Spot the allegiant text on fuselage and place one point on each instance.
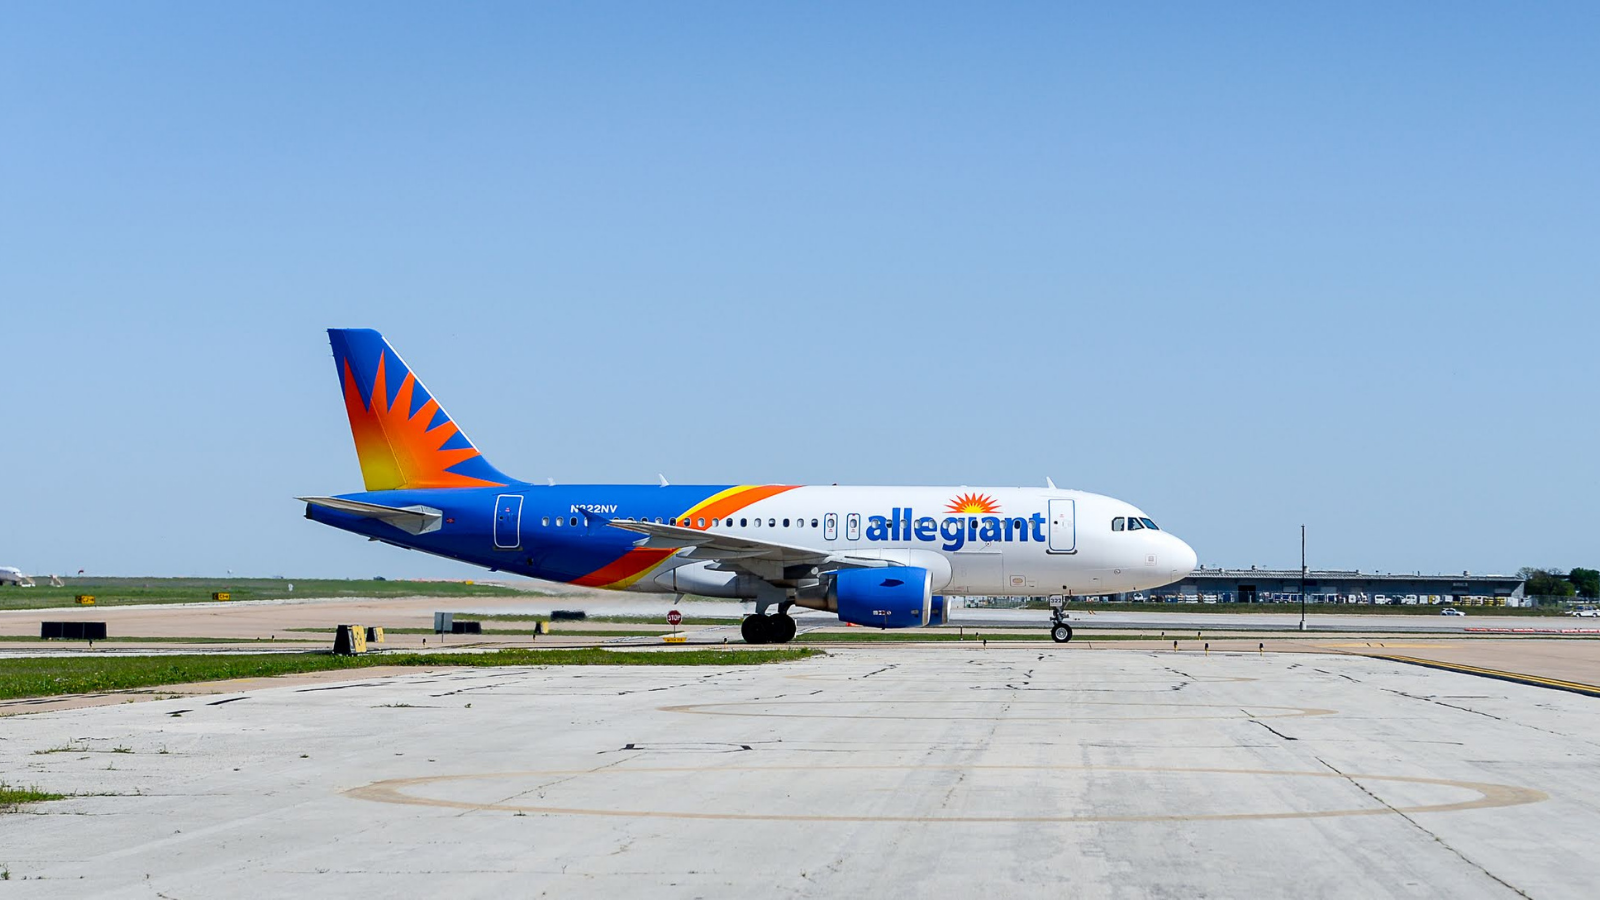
(955, 531)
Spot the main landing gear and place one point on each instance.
(762, 629)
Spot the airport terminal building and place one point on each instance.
(1341, 586)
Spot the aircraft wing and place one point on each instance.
(411, 519)
(710, 544)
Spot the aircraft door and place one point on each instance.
(830, 527)
(852, 527)
(1063, 526)
(508, 521)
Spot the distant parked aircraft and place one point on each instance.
(881, 556)
(13, 575)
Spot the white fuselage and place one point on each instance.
(974, 541)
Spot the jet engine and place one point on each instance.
(888, 597)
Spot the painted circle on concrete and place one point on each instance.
(1426, 795)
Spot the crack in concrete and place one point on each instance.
(1273, 730)
(1439, 702)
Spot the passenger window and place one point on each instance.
(658, 520)
(813, 523)
(1149, 524)
(545, 521)
(744, 523)
(1133, 524)
(758, 523)
(786, 523)
(772, 523)
(558, 523)
(702, 521)
(1116, 524)
(573, 521)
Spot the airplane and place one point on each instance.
(877, 556)
(13, 575)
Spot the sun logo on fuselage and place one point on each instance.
(973, 503)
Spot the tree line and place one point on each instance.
(1554, 583)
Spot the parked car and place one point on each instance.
(1585, 612)
(1451, 611)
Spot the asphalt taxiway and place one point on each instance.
(884, 771)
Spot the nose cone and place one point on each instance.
(1183, 559)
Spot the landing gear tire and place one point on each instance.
(1061, 633)
(760, 629)
(755, 630)
(781, 629)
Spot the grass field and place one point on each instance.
(80, 675)
(135, 639)
(123, 591)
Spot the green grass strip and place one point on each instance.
(51, 676)
(12, 795)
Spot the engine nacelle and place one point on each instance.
(888, 597)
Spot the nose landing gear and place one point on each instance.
(1060, 631)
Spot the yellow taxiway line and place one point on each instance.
(1576, 687)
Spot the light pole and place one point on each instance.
(1302, 578)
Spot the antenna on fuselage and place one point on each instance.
(550, 481)
(663, 479)
(1049, 483)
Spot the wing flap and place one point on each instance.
(694, 543)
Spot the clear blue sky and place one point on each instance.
(1245, 265)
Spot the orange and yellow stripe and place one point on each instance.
(628, 569)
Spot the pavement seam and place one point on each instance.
(1427, 831)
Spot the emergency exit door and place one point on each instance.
(1063, 526)
(508, 521)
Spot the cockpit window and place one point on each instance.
(1134, 524)
(1149, 524)
(1116, 524)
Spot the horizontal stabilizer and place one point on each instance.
(410, 519)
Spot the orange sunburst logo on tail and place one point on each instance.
(397, 448)
(973, 503)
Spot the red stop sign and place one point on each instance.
(674, 617)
